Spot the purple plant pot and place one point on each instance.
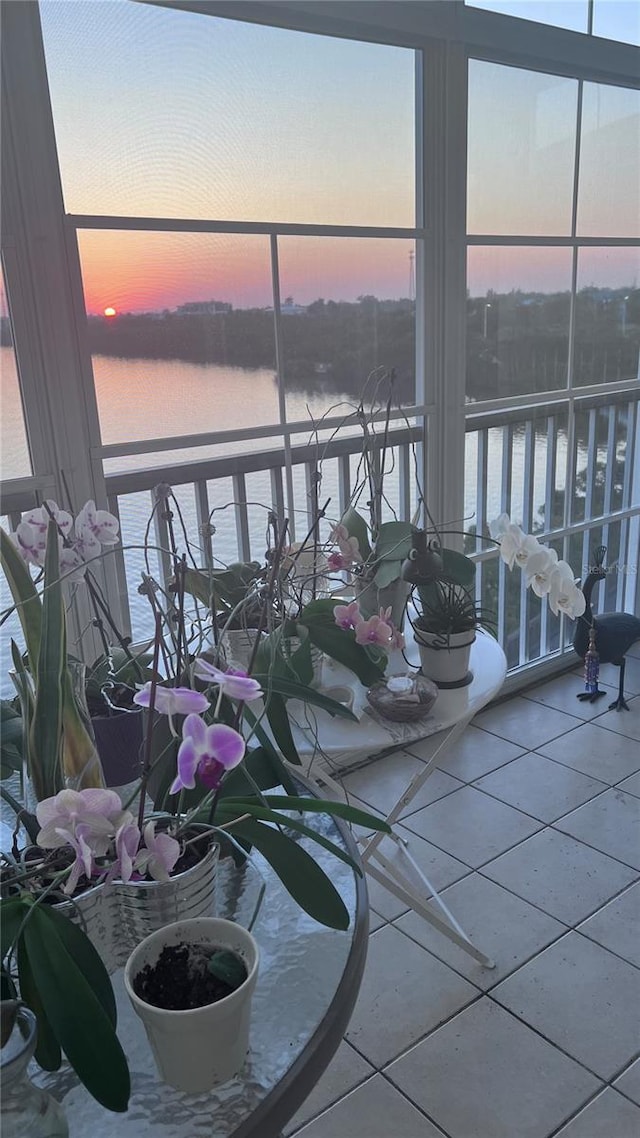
(119, 739)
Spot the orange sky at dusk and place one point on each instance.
(150, 271)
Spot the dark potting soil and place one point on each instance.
(180, 979)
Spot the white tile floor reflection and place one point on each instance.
(536, 830)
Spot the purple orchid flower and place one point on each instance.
(173, 701)
(84, 856)
(207, 752)
(234, 683)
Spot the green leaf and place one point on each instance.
(47, 1052)
(386, 573)
(291, 690)
(307, 883)
(12, 913)
(341, 645)
(280, 771)
(458, 568)
(264, 814)
(276, 710)
(394, 541)
(328, 806)
(76, 1015)
(88, 960)
(46, 725)
(23, 591)
(228, 967)
(356, 526)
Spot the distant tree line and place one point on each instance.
(516, 342)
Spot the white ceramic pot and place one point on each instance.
(445, 659)
(196, 1049)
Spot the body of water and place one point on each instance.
(140, 399)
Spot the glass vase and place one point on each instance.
(27, 1111)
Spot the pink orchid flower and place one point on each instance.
(347, 616)
(172, 701)
(159, 855)
(84, 862)
(207, 752)
(337, 561)
(127, 843)
(234, 683)
(376, 631)
(98, 811)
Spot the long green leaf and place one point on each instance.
(291, 690)
(24, 593)
(47, 1052)
(88, 960)
(76, 1015)
(307, 883)
(264, 814)
(327, 806)
(46, 726)
(280, 771)
(278, 717)
(12, 913)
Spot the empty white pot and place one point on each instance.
(196, 1049)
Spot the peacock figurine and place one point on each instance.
(603, 639)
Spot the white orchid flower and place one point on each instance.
(102, 525)
(516, 546)
(39, 518)
(564, 594)
(539, 568)
(31, 543)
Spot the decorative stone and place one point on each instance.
(403, 698)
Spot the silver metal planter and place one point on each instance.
(96, 912)
(143, 907)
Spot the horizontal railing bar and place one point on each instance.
(134, 481)
(553, 242)
(264, 228)
(481, 420)
(240, 434)
(558, 395)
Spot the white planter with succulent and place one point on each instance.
(191, 984)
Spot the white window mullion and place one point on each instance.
(445, 116)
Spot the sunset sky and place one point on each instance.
(174, 114)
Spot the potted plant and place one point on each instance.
(444, 630)
(191, 985)
(445, 613)
(210, 772)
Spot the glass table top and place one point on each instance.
(301, 965)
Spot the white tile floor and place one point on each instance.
(533, 832)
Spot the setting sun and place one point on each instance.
(110, 312)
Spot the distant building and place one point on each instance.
(204, 308)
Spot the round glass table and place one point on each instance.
(307, 985)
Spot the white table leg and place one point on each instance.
(397, 881)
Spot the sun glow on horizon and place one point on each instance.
(111, 312)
